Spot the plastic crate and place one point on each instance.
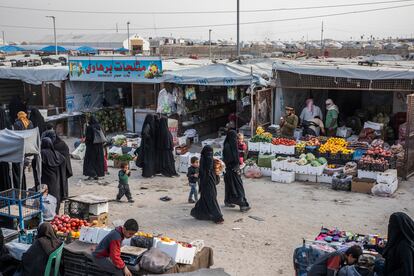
(20, 205)
(76, 209)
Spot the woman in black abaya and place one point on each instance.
(93, 164)
(146, 153)
(207, 207)
(37, 119)
(165, 148)
(5, 180)
(234, 190)
(61, 147)
(399, 250)
(157, 161)
(53, 171)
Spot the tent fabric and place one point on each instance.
(214, 74)
(15, 144)
(86, 49)
(11, 48)
(351, 71)
(122, 49)
(35, 75)
(52, 49)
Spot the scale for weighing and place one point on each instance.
(131, 254)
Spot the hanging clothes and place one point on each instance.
(37, 120)
(53, 171)
(93, 163)
(165, 147)
(5, 180)
(399, 250)
(146, 156)
(234, 190)
(207, 207)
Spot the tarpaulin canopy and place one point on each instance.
(35, 75)
(86, 49)
(214, 74)
(15, 144)
(11, 48)
(351, 71)
(52, 49)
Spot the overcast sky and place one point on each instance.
(385, 23)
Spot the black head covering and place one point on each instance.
(231, 152)
(50, 157)
(206, 160)
(15, 106)
(51, 134)
(4, 122)
(37, 120)
(149, 121)
(47, 238)
(164, 139)
(400, 227)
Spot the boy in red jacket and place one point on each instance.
(107, 255)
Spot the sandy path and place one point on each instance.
(291, 212)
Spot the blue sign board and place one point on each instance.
(116, 69)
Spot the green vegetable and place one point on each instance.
(302, 162)
(310, 157)
(322, 160)
(315, 163)
(302, 156)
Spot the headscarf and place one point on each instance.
(4, 122)
(149, 121)
(400, 227)
(231, 152)
(164, 139)
(47, 238)
(50, 157)
(331, 106)
(206, 161)
(51, 134)
(15, 106)
(22, 116)
(37, 119)
(309, 105)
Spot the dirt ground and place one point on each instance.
(244, 246)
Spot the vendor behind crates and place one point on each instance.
(289, 122)
(330, 264)
(49, 203)
(107, 255)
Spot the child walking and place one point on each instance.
(193, 179)
(123, 186)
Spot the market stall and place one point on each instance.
(372, 102)
(347, 165)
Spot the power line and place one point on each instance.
(214, 25)
(203, 12)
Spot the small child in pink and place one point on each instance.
(242, 147)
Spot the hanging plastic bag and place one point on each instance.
(163, 105)
(79, 152)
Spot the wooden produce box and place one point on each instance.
(102, 219)
(362, 185)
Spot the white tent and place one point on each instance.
(15, 145)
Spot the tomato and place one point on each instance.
(73, 224)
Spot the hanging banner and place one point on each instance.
(116, 69)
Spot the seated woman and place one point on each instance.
(34, 261)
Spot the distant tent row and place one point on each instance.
(51, 49)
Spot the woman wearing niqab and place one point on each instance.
(35, 259)
(5, 180)
(146, 152)
(207, 207)
(53, 171)
(37, 120)
(93, 163)
(234, 190)
(399, 250)
(165, 147)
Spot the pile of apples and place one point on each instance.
(379, 151)
(66, 224)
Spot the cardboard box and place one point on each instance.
(102, 219)
(362, 185)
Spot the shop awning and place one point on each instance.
(214, 74)
(11, 49)
(52, 49)
(35, 75)
(351, 71)
(86, 49)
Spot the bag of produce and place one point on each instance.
(341, 182)
(252, 171)
(79, 152)
(385, 189)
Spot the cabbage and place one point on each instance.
(310, 157)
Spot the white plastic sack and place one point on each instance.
(252, 172)
(79, 152)
(115, 150)
(385, 189)
(163, 105)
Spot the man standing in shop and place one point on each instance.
(289, 123)
(310, 111)
(332, 115)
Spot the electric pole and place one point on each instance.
(129, 50)
(4, 41)
(209, 41)
(322, 42)
(54, 31)
(117, 27)
(238, 28)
